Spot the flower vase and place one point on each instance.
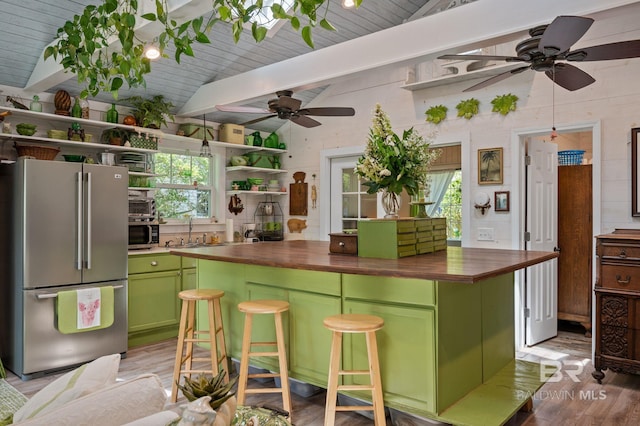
(390, 204)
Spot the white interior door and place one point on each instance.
(542, 211)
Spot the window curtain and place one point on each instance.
(440, 182)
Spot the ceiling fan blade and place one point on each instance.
(241, 109)
(496, 78)
(257, 120)
(619, 50)
(328, 111)
(570, 77)
(562, 33)
(288, 103)
(482, 58)
(304, 121)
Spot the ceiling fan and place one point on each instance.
(551, 43)
(288, 108)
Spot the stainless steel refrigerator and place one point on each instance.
(63, 227)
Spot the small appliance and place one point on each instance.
(249, 230)
(143, 235)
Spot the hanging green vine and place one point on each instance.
(504, 104)
(436, 114)
(82, 44)
(468, 108)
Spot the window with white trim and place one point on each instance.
(185, 185)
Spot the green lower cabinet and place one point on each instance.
(189, 279)
(407, 352)
(309, 339)
(154, 307)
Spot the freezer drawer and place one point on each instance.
(39, 346)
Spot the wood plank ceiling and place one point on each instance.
(29, 25)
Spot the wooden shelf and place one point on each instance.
(75, 144)
(486, 72)
(222, 144)
(255, 169)
(238, 192)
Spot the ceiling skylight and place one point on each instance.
(264, 17)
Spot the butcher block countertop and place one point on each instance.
(467, 265)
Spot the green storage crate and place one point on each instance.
(194, 130)
(387, 239)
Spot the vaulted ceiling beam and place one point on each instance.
(477, 24)
(49, 73)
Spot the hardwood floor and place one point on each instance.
(576, 399)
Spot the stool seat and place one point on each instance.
(263, 306)
(201, 294)
(188, 334)
(353, 323)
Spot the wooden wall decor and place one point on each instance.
(298, 195)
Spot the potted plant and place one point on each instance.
(222, 400)
(151, 112)
(115, 136)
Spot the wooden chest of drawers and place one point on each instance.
(617, 292)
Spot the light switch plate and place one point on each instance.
(485, 234)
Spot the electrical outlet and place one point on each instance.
(485, 234)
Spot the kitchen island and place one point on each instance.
(447, 348)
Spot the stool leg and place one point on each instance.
(213, 347)
(219, 333)
(191, 325)
(376, 381)
(284, 370)
(332, 385)
(244, 359)
(179, 349)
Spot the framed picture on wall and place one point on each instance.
(490, 166)
(501, 201)
(635, 163)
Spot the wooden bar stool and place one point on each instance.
(275, 307)
(188, 335)
(354, 323)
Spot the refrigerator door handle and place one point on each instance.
(79, 213)
(89, 189)
(54, 295)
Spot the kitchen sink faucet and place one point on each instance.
(190, 228)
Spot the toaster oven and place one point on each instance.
(142, 209)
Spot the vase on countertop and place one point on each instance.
(391, 204)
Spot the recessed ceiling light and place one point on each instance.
(348, 4)
(151, 51)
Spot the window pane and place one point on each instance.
(350, 205)
(182, 170)
(368, 205)
(163, 168)
(178, 203)
(349, 180)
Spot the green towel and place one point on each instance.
(67, 311)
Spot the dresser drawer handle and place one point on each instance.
(621, 281)
(154, 263)
(623, 254)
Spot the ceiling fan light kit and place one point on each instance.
(548, 50)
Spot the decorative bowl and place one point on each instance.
(255, 181)
(74, 158)
(25, 129)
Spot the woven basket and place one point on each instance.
(38, 152)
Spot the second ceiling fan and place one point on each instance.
(288, 108)
(551, 43)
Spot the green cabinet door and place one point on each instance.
(154, 306)
(189, 279)
(309, 340)
(407, 352)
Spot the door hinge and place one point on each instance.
(527, 160)
(527, 236)
(527, 312)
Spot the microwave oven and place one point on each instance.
(143, 235)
